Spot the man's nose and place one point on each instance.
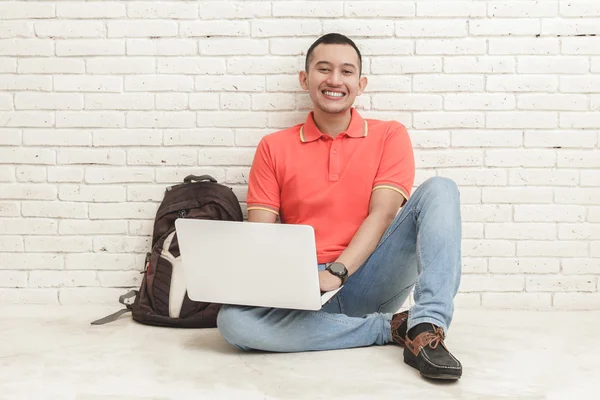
(335, 79)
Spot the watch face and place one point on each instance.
(337, 268)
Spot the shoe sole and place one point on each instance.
(412, 361)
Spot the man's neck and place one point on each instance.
(332, 124)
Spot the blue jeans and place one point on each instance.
(420, 248)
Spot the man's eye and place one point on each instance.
(323, 69)
(347, 72)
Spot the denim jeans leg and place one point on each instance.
(439, 233)
(283, 330)
(420, 248)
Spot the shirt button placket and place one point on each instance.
(334, 161)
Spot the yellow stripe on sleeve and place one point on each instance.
(395, 188)
(264, 209)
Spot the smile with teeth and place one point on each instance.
(333, 94)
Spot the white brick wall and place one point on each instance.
(104, 103)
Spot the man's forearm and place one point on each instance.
(365, 240)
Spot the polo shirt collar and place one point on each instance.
(358, 127)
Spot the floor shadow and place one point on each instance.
(210, 340)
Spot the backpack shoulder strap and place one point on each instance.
(115, 316)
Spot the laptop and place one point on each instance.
(250, 263)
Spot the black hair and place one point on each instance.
(333, 38)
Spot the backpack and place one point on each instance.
(162, 299)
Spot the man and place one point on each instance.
(347, 177)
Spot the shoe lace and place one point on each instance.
(434, 338)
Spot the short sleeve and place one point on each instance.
(397, 165)
(263, 188)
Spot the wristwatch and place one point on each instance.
(338, 269)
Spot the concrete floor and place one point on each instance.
(49, 352)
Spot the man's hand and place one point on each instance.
(328, 281)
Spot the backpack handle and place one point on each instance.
(200, 178)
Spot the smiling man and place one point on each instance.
(347, 177)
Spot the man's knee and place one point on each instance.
(445, 189)
(232, 322)
(443, 185)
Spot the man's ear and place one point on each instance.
(362, 85)
(303, 78)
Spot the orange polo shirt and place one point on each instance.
(306, 177)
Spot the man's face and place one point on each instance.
(332, 79)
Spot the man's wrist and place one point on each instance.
(339, 270)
